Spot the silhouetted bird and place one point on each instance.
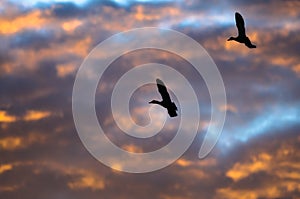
(242, 38)
(166, 100)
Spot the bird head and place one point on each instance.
(230, 38)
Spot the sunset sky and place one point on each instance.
(44, 42)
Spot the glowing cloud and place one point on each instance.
(36, 115)
(4, 117)
(34, 20)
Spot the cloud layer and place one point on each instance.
(44, 43)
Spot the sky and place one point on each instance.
(43, 44)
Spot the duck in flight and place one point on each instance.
(166, 100)
(241, 38)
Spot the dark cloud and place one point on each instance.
(43, 157)
(67, 10)
(32, 39)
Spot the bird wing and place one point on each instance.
(240, 24)
(163, 90)
(172, 110)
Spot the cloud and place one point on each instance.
(30, 115)
(240, 171)
(34, 20)
(4, 117)
(270, 172)
(5, 167)
(42, 47)
(64, 70)
(12, 143)
(229, 107)
(36, 115)
(183, 162)
(132, 148)
(70, 26)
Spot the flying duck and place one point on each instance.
(241, 38)
(166, 100)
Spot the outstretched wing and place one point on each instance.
(172, 110)
(240, 24)
(163, 90)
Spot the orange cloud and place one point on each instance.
(240, 171)
(140, 16)
(208, 162)
(132, 148)
(30, 59)
(183, 162)
(33, 20)
(296, 68)
(229, 107)
(270, 190)
(5, 167)
(18, 142)
(80, 48)
(81, 178)
(87, 181)
(71, 25)
(31, 115)
(65, 69)
(282, 165)
(4, 117)
(117, 168)
(36, 115)
(10, 143)
(233, 194)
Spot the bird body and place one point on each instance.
(241, 38)
(166, 100)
